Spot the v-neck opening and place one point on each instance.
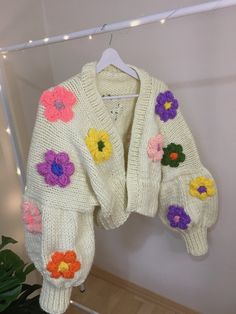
(99, 108)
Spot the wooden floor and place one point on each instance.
(108, 294)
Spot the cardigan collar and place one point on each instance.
(133, 173)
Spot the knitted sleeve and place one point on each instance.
(58, 202)
(188, 195)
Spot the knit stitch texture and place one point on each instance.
(94, 160)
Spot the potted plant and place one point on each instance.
(14, 292)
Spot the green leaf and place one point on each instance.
(25, 286)
(10, 293)
(8, 297)
(8, 284)
(7, 240)
(29, 268)
(13, 292)
(4, 305)
(27, 292)
(23, 271)
(30, 306)
(19, 273)
(10, 260)
(4, 274)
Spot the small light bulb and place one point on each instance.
(4, 56)
(134, 23)
(18, 171)
(66, 37)
(8, 130)
(162, 21)
(46, 40)
(30, 41)
(90, 37)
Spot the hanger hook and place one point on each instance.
(110, 41)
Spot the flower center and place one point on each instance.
(176, 219)
(59, 104)
(158, 147)
(101, 145)
(63, 267)
(174, 156)
(167, 105)
(56, 169)
(202, 189)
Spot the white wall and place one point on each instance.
(196, 56)
(26, 76)
(28, 72)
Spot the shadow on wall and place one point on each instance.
(145, 252)
(138, 234)
(23, 93)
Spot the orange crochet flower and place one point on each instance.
(63, 265)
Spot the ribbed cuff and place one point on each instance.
(196, 241)
(54, 300)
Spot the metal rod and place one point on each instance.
(82, 307)
(82, 288)
(106, 28)
(11, 129)
(121, 96)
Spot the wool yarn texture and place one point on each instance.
(96, 161)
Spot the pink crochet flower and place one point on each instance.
(31, 217)
(58, 104)
(154, 150)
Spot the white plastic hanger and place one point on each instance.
(111, 57)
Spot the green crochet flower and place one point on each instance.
(173, 155)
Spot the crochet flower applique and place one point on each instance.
(166, 106)
(99, 145)
(173, 155)
(31, 217)
(56, 169)
(154, 150)
(63, 265)
(202, 188)
(58, 104)
(177, 217)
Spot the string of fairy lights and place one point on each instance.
(67, 37)
(46, 40)
(109, 28)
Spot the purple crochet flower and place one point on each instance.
(56, 169)
(177, 217)
(166, 106)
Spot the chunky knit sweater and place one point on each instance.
(94, 159)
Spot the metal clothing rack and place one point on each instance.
(80, 306)
(108, 28)
(105, 28)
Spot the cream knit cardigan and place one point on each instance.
(128, 180)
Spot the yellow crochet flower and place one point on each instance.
(202, 188)
(99, 145)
